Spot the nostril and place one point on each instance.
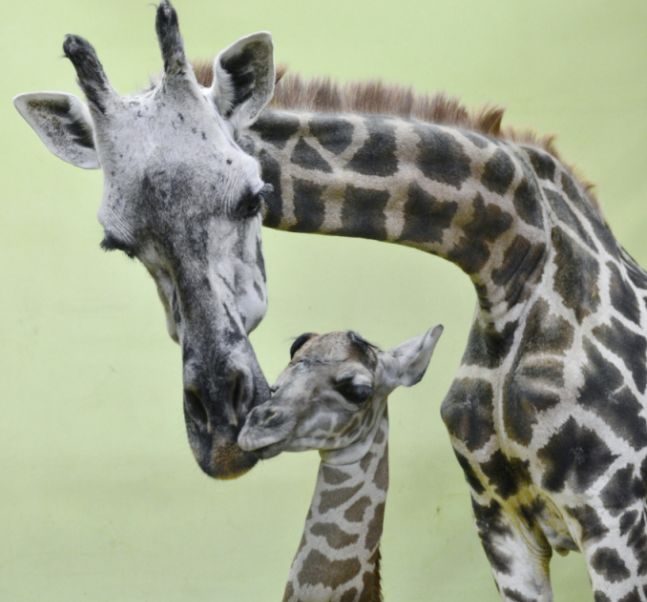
(271, 418)
(237, 390)
(195, 408)
(240, 392)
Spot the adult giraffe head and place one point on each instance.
(182, 197)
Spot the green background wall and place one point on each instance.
(100, 497)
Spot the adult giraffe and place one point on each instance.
(548, 412)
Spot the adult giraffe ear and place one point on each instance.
(407, 363)
(63, 123)
(244, 79)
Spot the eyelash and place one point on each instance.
(356, 394)
(109, 243)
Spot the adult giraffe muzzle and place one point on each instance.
(182, 197)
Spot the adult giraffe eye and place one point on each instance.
(250, 205)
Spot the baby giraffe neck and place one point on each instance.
(338, 559)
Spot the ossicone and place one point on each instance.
(89, 70)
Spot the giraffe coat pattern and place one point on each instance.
(547, 414)
(548, 411)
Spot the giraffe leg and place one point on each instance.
(616, 557)
(518, 559)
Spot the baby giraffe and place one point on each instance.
(332, 397)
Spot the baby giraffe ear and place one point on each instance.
(244, 79)
(300, 341)
(63, 123)
(407, 363)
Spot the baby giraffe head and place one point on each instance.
(332, 395)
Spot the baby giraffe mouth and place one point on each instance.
(265, 444)
(262, 450)
(269, 451)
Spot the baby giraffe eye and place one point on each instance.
(354, 392)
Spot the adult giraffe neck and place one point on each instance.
(462, 196)
(339, 554)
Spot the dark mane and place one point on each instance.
(323, 94)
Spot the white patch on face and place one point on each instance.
(166, 287)
(251, 307)
(236, 276)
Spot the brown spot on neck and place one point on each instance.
(334, 476)
(337, 497)
(335, 536)
(355, 513)
(381, 478)
(349, 596)
(375, 526)
(372, 591)
(318, 569)
(365, 462)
